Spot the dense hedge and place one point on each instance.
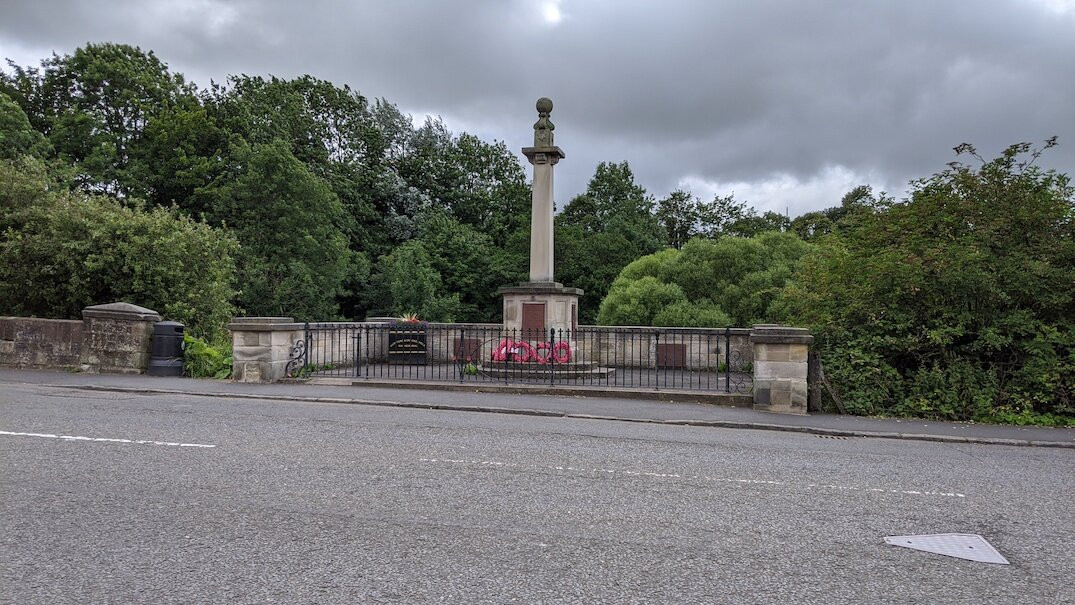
(62, 251)
(958, 303)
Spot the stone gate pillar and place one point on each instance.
(116, 338)
(780, 368)
(262, 347)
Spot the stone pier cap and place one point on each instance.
(263, 324)
(120, 310)
(777, 334)
(539, 287)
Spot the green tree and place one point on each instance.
(17, 136)
(62, 251)
(680, 214)
(94, 104)
(857, 203)
(955, 303)
(470, 264)
(601, 231)
(182, 150)
(295, 259)
(718, 216)
(752, 224)
(407, 282)
(729, 281)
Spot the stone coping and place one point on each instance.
(553, 150)
(120, 310)
(286, 323)
(5, 318)
(775, 334)
(263, 324)
(550, 287)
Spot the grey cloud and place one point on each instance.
(726, 91)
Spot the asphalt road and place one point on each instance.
(322, 503)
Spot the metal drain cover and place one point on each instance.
(964, 546)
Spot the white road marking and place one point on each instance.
(106, 439)
(850, 488)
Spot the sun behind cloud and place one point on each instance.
(550, 11)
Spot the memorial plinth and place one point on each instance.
(532, 309)
(541, 314)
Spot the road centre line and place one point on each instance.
(105, 439)
(737, 480)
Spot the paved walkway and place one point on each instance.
(575, 406)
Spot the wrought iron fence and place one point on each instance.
(642, 358)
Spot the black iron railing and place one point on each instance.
(640, 358)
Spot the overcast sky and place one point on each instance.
(786, 104)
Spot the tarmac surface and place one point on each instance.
(112, 490)
(523, 400)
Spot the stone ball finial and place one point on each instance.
(544, 105)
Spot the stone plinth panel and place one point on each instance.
(780, 368)
(262, 347)
(116, 338)
(30, 342)
(561, 307)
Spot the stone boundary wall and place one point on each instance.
(334, 344)
(776, 355)
(113, 337)
(636, 346)
(31, 342)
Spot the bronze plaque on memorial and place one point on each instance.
(407, 344)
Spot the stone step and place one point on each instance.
(518, 371)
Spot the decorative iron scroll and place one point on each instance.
(740, 374)
(297, 361)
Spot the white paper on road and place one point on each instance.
(963, 546)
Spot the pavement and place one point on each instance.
(519, 401)
(127, 495)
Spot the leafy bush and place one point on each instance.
(203, 360)
(636, 303)
(407, 282)
(61, 252)
(295, 258)
(708, 283)
(956, 303)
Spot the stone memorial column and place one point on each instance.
(537, 308)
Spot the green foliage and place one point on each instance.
(469, 264)
(859, 203)
(203, 360)
(17, 137)
(956, 303)
(680, 215)
(407, 283)
(603, 230)
(181, 151)
(295, 259)
(94, 104)
(637, 302)
(60, 252)
(732, 280)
